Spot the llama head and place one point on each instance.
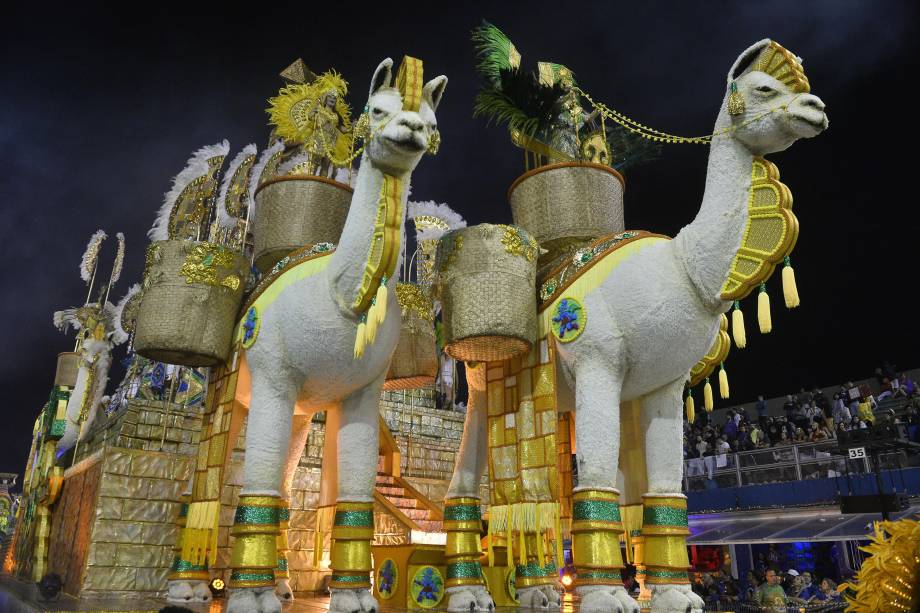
(777, 108)
(401, 116)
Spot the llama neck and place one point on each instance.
(709, 243)
(347, 266)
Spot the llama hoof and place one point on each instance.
(553, 595)
(470, 598)
(352, 601)
(284, 592)
(601, 600)
(202, 592)
(676, 599)
(253, 600)
(629, 603)
(534, 597)
(180, 591)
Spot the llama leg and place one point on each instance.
(353, 526)
(184, 577)
(596, 523)
(462, 519)
(664, 527)
(301, 431)
(258, 513)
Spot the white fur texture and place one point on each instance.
(224, 219)
(650, 321)
(196, 166)
(303, 354)
(91, 255)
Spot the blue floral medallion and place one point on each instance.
(569, 320)
(387, 579)
(250, 327)
(427, 587)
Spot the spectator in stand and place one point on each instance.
(828, 591)
(808, 589)
(722, 446)
(798, 416)
(820, 432)
(822, 401)
(907, 384)
(857, 424)
(753, 584)
(770, 595)
(730, 429)
(799, 436)
(702, 447)
(885, 390)
(789, 406)
(813, 413)
(774, 430)
(762, 412)
(841, 412)
(864, 410)
(783, 439)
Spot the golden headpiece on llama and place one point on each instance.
(782, 65)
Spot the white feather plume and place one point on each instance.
(66, 318)
(223, 217)
(289, 165)
(91, 255)
(256, 175)
(119, 260)
(119, 334)
(196, 166)
(442, 211)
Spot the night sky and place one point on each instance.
(98, 111)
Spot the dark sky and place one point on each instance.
(98, 110)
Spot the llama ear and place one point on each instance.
(433, 91)
(382, 76)
(746, 58)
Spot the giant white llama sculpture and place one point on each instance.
(649, 322)
(303, 358)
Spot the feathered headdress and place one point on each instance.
(259, 169)
(235, 187)
(432, 219)
(289, 111)
(91, 255)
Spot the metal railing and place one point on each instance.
(771, 465)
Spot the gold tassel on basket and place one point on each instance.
(790, 290)
(764, 320)
(707, 396)
(723, 382)
(691, 410)
(738, 327)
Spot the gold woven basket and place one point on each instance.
(295, 211)
(68, 363)
(415, 360)
(486, 278)
(192, 295)
(569, 202)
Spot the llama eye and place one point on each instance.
(377, 111)
(765, 89)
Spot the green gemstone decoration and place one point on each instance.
(350, 578)
(667, 574)
(282, 564)
(533, 569)
(596, 510)
(462, 512)
(181, 566)
(464, 570)
(354, 519)
(267, 577)
(664, 516)
(284, 514)
(584, 575)
(256, 516)
(57, 427)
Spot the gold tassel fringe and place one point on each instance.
(707, 396)
(381, 301)
(790, 290)
(691, 410)
(359, 339)
(764, 320)
(372, 322)
(738, 327)
(723, 383)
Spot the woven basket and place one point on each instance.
(189, 319)
(487, 293)
(564, 203)
(295, 211)
(68, 363)
(415, 361)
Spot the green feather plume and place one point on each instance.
(496, 52)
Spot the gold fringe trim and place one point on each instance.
(200, 539)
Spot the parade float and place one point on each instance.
(277, 293)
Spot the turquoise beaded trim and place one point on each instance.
(284, 514)
(462, 512)
(181, 566)
(350, 578)
(666, 574)
(664, 516)
(596, 510)
(259, 516)
(267, 577)
(282, 564)
(533, 569)
(183, 510)
(354, 519)
(464, 570)
(608, 575)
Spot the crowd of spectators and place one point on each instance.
(766, 589)
(807, 417)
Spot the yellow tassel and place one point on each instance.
(360, 339)
(382, 301)
(738, 327)
(557, 533)
(723, 383)
(763, 310)
(790, 291)
(372, 324)
(707, 396)
(691, 411)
